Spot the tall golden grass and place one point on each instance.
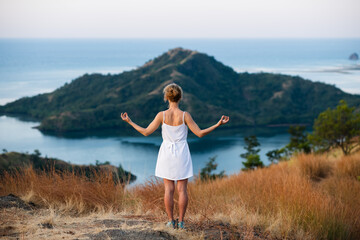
(308, 197)
(67, 191)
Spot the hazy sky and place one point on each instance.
(179, 19)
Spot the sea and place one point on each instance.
(32, 66)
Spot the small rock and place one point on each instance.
(354, 57)
(70, 232)
(11, 200)
(7, 231)
(47, 225)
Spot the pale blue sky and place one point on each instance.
(179, 19)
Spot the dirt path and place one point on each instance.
(20, 220)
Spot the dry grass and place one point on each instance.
(348, 166)
(308, 197)
(315, 167)
(66, 192)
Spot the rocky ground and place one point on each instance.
(21, 220)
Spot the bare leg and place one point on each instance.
(183, 197)
(169, 198)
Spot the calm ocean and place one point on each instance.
(29, 67)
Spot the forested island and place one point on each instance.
(95, 101)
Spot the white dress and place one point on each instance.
(174, 159)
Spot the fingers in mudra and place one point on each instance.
(224, 119)
(124, 116)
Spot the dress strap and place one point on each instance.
(184, 117)
(163, 116)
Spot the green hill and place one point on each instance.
(15, 161)
(95, 101)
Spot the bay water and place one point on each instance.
(134, 152)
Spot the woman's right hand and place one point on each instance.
(224, 119)
(125, 117)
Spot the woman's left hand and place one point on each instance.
(224, 119)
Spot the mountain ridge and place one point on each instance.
(95, 101)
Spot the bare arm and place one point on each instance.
(197, 131)
(144, 131)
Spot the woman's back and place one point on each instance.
(177, 130)
(173, 117)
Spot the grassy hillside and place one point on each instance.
(211, 88)
(308, 197)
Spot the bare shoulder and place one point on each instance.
(159, 115)
(187, 116)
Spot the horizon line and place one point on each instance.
(173, 38)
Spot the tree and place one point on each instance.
(298, 143)
(339, 127)
(277, 154)
(252, 157)
(298, 140)
(36, 160)
(206, 172)
(98, 163)
(37, 153)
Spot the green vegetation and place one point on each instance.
(14, 161)
(206, 172)
(339, 127)
(334, 128)
(95, 101)
(298, 144)
(98, 163)
(277, 155)
(252, 157)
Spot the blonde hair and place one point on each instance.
(173, 92)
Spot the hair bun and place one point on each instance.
(172, 92)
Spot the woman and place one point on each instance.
(174, 160)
